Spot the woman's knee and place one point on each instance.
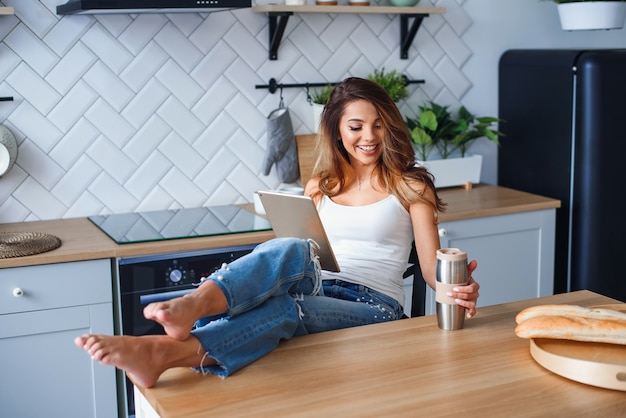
(284, 245)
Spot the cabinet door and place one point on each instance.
(44, 374)
(515, 254)
(42, 309)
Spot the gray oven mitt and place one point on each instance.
(281, 146)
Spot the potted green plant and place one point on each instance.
(322, 95)
(393, 82)
(433, 128)
(437, 129)
(591, 14)
(319, 98)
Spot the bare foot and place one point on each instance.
(177, 316)
(144, 358)
(176, 319)
(131, 354)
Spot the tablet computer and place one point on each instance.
(296, 216)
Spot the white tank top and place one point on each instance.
(371, 243)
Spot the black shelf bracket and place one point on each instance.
(407, 34)
(277, 24)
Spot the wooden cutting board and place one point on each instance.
(306, 156)
(596, 364)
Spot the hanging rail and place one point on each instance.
(273, 85)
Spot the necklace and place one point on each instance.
(362, 181)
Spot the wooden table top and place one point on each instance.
(405, 368)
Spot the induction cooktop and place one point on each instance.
(127, 228)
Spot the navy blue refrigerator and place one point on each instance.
(564, 116)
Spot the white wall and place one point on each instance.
(125, 113)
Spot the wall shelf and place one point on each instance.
(278, 15)
(6, 10)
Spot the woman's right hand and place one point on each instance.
(467, 296)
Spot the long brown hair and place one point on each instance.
(396, 169)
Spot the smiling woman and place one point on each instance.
(366, 171)
(363, 137)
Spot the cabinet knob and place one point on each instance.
(443, 232)
(17, 292)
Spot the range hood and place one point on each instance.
(148, 6)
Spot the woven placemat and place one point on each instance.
(19, 244)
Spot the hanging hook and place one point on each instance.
(309, 99)
(272, 85)
(281, 104)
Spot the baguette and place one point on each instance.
(570, 311)
(573, 328)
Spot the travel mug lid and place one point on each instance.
(451, 254)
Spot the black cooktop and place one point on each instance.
(161, 225)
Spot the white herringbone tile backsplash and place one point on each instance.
(124, 113)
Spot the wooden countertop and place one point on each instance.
(395, 369)
(486, 200)
(81, 240)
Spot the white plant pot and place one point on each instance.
(317, 115)
(455, 171)
(592, 15)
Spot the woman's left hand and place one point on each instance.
(467, 295)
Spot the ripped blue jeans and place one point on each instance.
(274, 293)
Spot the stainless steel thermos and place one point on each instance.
(451, 272)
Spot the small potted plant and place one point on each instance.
(591, 14)
(393, 82)
(436, 129)
(319, 98)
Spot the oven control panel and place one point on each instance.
(178, 274)
(167, 272)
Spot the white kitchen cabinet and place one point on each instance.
(42, 309)
(515, 254)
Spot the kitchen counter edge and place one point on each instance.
(82, 240)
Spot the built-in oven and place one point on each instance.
(147, 279)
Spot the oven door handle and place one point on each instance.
(160, 297)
